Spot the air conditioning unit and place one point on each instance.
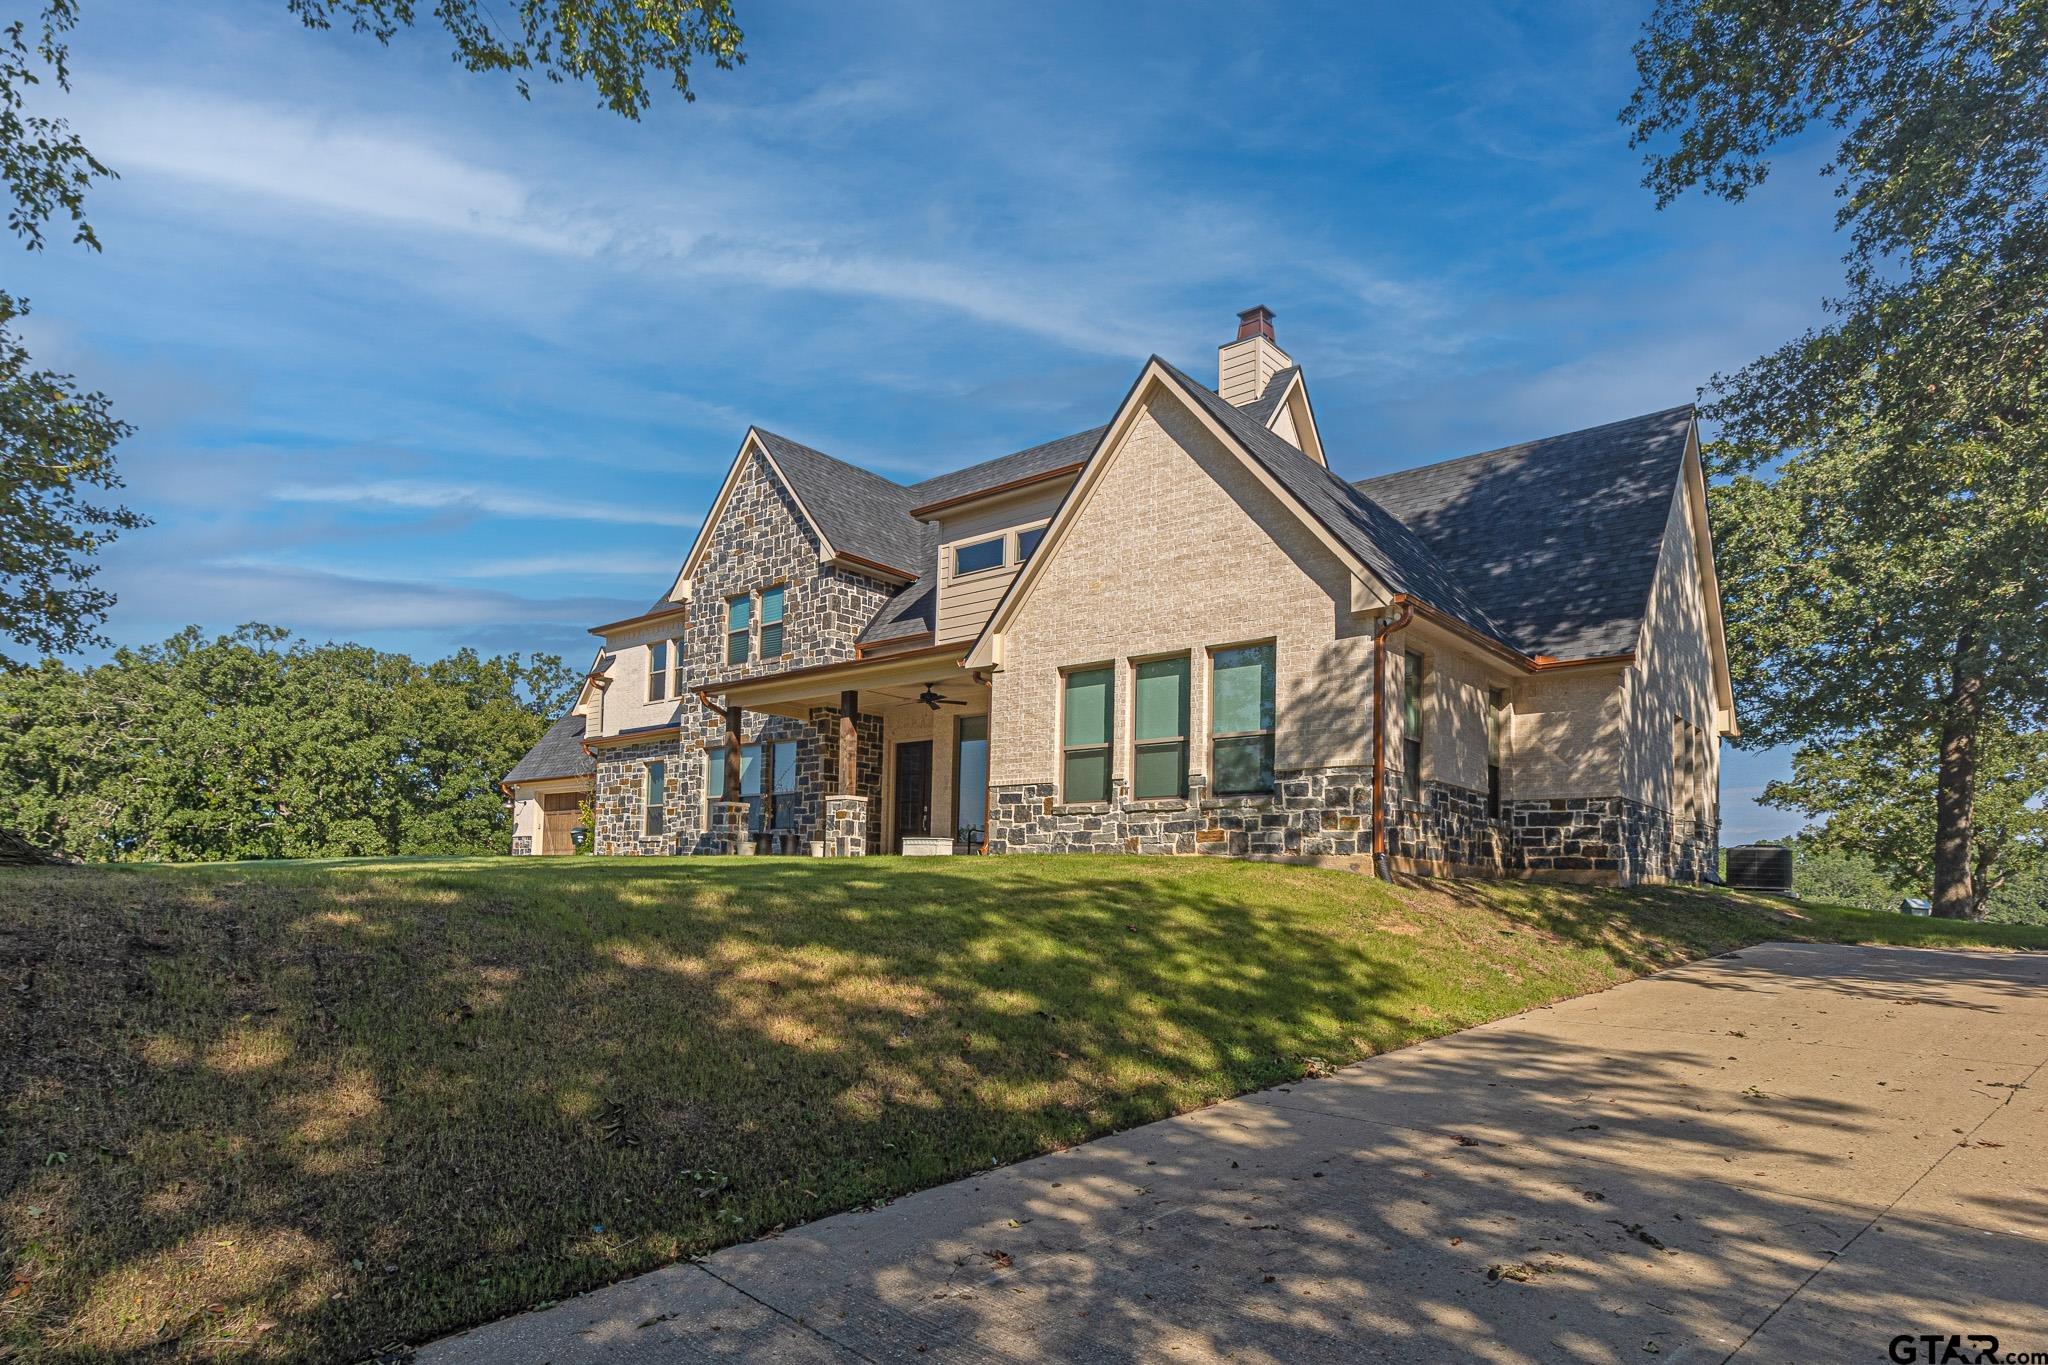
(1761, 867)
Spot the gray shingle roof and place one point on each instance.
(558, 753)
(1261, 409)
(1009, 468)
(1557, 539)
(1548, 546)
(861, 513)
(914, 610)
(1379, 540)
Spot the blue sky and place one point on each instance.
(418, 363)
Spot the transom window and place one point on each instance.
(657, 670)
(739, 628)
(771, 623)
(1241, 719)
(1085, 741)
(1027, 541)
(654, 798)
(1159, 729)
(980, 555)
(1411, 721)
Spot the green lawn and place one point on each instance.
(308, 1110)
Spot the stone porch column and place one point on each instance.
(729, 832)
(846, 826)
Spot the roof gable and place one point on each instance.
(1393, 553)
(1557, 539)
(558, 753)
(859, 513)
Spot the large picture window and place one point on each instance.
(654, 799)
(1084, 767)
(771, 623)
(1241, 720)
(970, 779)
(1411, 723)
(739, 628)
(1159, 729)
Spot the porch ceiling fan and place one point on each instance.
(930, 697)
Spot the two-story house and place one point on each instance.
(1179, 632)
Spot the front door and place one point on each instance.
(913, 790)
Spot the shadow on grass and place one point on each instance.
(287, 1112)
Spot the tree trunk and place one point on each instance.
(1955, 793)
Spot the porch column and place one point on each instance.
(849, 743)
(846, 814)
(732, 811)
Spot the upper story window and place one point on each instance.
(657, 670)
(1411, 722)
(771, 623)
(1241, 720)
(1089, 694)
(980, 555)
(739, 628)
(1027, 541)
(1159, 729)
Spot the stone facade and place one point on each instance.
(847, 821)
(1609, 838)
(761, 540)
(817, 773)
(619, 801)
(1311, 813)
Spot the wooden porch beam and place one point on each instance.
(849, 742)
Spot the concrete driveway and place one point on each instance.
(1789, 1153)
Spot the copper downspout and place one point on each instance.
(988, 794)
(1379, 739)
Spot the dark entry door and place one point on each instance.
(913, 790)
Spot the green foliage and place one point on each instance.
(56, 442)
(614, 44)
(252, 745)
(1884, 534)
(1876, 794)
(45, 167)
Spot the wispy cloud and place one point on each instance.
(426, 495)
(274, 152)
(315, 603)
(602, 564)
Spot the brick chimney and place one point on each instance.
(1244, 366)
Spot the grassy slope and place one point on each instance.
(305, 1110)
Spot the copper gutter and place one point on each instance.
(1379, 737)
(631, 736)
(678, 609)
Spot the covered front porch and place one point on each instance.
(901, 765)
